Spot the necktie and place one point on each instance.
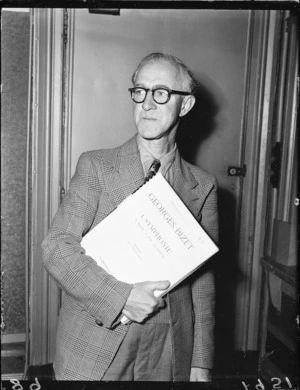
(152, 170)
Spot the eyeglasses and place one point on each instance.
(160, 95)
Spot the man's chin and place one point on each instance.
(149, 134)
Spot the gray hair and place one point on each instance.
(187, 76)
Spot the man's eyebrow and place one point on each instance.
(140, 85)
(154, 87)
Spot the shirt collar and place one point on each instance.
(147, 157)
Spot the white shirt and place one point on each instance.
(147, 158)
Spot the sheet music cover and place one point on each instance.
(150, 236)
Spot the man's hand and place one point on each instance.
(142, 302)
(200, 374)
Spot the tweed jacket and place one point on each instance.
(89, 331)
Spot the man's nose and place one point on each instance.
(149, 103)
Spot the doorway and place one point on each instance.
(81, 101)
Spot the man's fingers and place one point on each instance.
(160, 285)
(142, 302)
(161, 303)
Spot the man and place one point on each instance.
(167, 339)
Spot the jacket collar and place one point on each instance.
(186, 186)
(127, 175)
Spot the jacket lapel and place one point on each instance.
(187, 187)
(126, 172)
(125, 175)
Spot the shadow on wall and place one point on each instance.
(227, 279)
(198, 125)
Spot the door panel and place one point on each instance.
(85, 105)
(214, 45)
(223, 50)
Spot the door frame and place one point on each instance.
(255, 184)
(48, 133)
(49, 169)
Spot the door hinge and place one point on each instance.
(290, 21)
(275, 164)
(65, 27)
(237, 171)
(62, 193)
(105, 11)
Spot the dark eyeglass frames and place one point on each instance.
(160, 95)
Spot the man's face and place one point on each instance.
(153, 120)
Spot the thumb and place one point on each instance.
(160, 285)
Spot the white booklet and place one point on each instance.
(150, 236)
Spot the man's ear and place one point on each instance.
(187, 104)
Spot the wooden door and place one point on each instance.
(88, 60)
(222, 49)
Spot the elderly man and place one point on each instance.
(167, 339)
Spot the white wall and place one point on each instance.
(108, 49)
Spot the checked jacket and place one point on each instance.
(89, 331)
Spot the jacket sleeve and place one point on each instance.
(203, 291)
(96, 291)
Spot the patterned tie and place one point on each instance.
(152, 170)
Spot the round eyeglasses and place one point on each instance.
(160, 95)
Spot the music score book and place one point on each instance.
(150, 236)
